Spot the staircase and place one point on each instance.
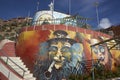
(18, 66)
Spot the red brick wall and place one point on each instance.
(63, 27)
(2, 77)
(9, 49)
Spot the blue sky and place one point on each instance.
(108, 10)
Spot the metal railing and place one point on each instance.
(69, 21)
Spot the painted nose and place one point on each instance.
(58, 56)
(101, 56)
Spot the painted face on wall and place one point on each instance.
(101, 52)
(60, 52)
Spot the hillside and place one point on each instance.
(10, 28)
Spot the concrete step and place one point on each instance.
(13, 63)
(16, 67)
(21, 65)
(18, 70)
(26, 76)
(31, 78)
(21, 72)
(17, 59)
(12, 58)
(21, 69)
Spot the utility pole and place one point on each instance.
(93, 74)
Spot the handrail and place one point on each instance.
(12, 62)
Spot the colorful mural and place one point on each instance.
(58, 54)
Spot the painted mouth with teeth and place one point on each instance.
(58, 63)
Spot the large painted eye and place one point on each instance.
(65, 49)
(53, 49)
(95, 50)
(66, 53)
(101, 49)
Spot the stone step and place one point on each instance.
(26, 76)
(32, 78)
(21, 72)
(12, 58)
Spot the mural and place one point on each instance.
(101, 52)
(58, 54)
(63, 57)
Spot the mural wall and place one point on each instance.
(55, 55)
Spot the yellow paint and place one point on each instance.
(51, 34)
(71, 34)
(29, 34)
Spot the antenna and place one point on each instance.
(69, 4)
(97, 15)
(28, 18)
(53, 4)
(37, 6)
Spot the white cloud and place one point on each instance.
(105, 23)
